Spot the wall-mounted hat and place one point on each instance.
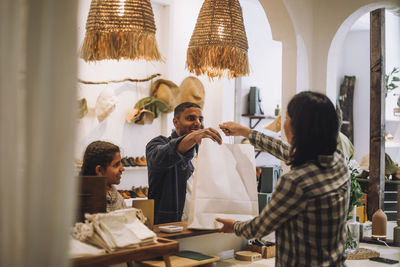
(167, 91)
(82, 108)
(192, 90)
(139, 116)
(105, 103)
(154, 104)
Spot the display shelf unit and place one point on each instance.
(391, 200)
(164, 247)
(136, 168)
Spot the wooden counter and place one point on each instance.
(185, 233)
(164, 247)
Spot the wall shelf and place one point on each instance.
(251, 117)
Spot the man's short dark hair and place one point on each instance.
(181, 107)
(314, 124)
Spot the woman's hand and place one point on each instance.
(231, 128)
(228, 225)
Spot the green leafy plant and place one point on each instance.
(355, 188)
(350, 243)
(391, 80)
(355, 193)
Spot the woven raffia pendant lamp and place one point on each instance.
(117, 29)
(218, 45)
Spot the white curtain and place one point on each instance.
(38, 59)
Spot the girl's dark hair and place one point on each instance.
(314, 124)
(98, 153)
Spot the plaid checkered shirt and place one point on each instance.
(307, 209)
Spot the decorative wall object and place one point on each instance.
(118, 29)
(192, 90)
(218, 45)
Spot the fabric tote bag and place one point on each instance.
(224, 185)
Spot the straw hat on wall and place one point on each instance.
(192, 90)
(167, 91)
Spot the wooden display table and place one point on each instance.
(164, 247)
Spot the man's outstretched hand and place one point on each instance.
(195, 137)
(210, 133)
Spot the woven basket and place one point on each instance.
(218, 45)
(116, 29)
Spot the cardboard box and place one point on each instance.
(147, 207)
(265, 251)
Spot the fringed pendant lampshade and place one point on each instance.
(218, 45)
(118, 29)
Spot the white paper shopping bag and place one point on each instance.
(224, 185)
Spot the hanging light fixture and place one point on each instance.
(118, 29)
(218, 45)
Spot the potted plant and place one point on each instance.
(391, 81)
(352, 232)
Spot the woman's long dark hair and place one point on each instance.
(314, 124)
(98, 153)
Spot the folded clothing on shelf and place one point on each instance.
(115, 230)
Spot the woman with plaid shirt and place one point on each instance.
(309, 204)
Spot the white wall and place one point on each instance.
(175, 21)
(265, 57)
(393, 60)
(354, 61)
(114, 129)
(392, 57)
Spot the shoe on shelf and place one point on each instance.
(125, 162)
(145, 191)
(124, 194)
(139, 192)
(144, 161)
(132, 193)
(141, 161)
(132, 162)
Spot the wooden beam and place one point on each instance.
(377, 112)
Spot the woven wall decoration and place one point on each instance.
(218, 45)
(118, 29)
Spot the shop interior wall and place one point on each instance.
(354, 61)
(175, 21)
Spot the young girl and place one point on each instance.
(104, 159)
